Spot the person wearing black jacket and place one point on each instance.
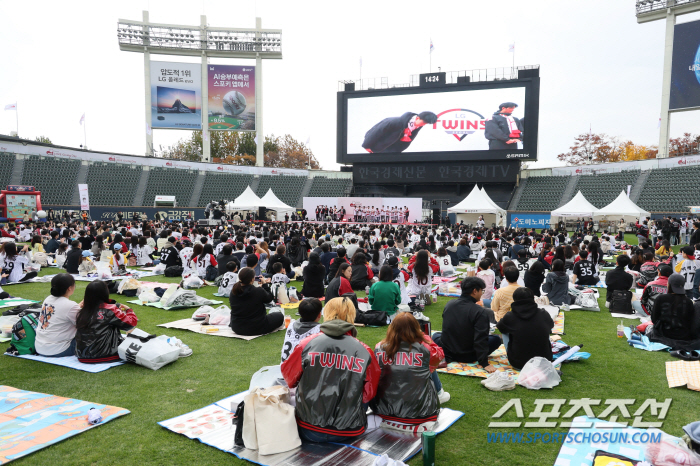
(503, 130)
(618, 279)
(53, 244)
(248, 313)
(225, 257)
(336, 262)
(296, 252)
(676, 319)
(695, 236)
(396, 134)
(314, 273)
(73, 258)
(465, 327)
(169, 255)
(528, 328)
(280, 256)
(534, 276)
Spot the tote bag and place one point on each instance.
(269, 425)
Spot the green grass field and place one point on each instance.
(221, 367)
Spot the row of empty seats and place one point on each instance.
(329, 187)
(542, 193)
(170, 182)
(286, 188)
(7, 163)
(602, 189)
(671, 189)
(113, 184)
(219, 186)
(55, 178)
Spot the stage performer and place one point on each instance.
(395, 134)
(503, 130)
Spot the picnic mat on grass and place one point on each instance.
(12, 302)
(4, 339)
(439, 280)
(679, 373)
(212, 425)
(582, 453)
(158, 305)
(30, 421)
(71, 362)
(498, 359)
(644, 343)
(558, 328)
(197, 327)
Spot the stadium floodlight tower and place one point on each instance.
(655, 10)
(202, 41)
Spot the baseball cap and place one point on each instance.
(117, 246)
(393, 261)
(676, 283)
(88, 253)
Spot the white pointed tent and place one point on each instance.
(248, 200)
(622, 207)
(272, 202)
(576, 207)
(475, 204)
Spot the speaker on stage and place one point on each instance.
(262, 211)
(436, 216)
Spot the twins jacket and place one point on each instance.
(99, 341)
(334, 373)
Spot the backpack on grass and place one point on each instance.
(24, 334)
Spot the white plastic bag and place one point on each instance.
(147, 295)
(192, 282)
(293, 298)
(538, 373)
(103, 270)
(220, 316)
(279, 291)
(160, 268)
(202, 312)
(149, 351)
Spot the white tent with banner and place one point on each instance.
(248, 200)
(576, 207)
(272, 202)
(475, 204)
(621, 207)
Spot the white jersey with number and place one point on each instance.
(445, 263)
(292, 339)
(202, 264)
(688, 269)
(142, 255)
(226, 284)
(15, 267)
(522, 268)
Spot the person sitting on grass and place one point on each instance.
(652, 290)
(556, 284)
(465, 328)
(248, 312)
(528, 329)
(310, 310)
(86, 265)
(676, 320)
(314, 274)
(331, 398)
(55, 334)
(504, 295)
(585, 272)
(99, 324)
(408, 392)
(228, 279)
(73, 258)
(618, 278)
(485, 272)
(534, 276)
(421, 281)
(340, 285)
(362, 274)
(280, 275)
(385, 295)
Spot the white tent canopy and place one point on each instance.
(248, 200)
(622, 207)
(475, 204)
(272, 202)
(576, 207)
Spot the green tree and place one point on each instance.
(43, 139)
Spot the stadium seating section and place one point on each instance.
(7, 162)
(113, 184)
(286, 188)
(542, 193)
(55, 178)
(170, 182)
(329, 187)
(219, 186)
(671, 189)
(601, 190)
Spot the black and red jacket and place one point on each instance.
(334, 373)
(99, 341)
(406, 393)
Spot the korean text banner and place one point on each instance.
(84, 198)
(685, 68)
(518, 220)
(231, 97)
(176, 95)
(466, 121)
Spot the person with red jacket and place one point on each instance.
(653, 290)
(433, 263)
(409, 390)
(362, 274)
(340, 285)
(335, 376)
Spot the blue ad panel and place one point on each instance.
(685, 68)
(521, 220)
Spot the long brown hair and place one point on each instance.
(404, 328)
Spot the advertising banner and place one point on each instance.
(176, 95)
(685, 67)
(452, 172)
(521, 220)
(84, 198)
(110, 213)
(231, 97)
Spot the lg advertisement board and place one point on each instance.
(465, 122)
(685, 71)
(231, 97)
(176, 95)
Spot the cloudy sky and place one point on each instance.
(598, 67)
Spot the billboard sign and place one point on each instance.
(685, 68)
(482, 121)
(521, 220)
(84, 198)
(176, 95)
(231, 97)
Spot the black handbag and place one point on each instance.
(238, 422)
(374, 318)
(621, 302)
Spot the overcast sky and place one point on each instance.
(598, 67)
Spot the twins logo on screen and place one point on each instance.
(460, 122)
